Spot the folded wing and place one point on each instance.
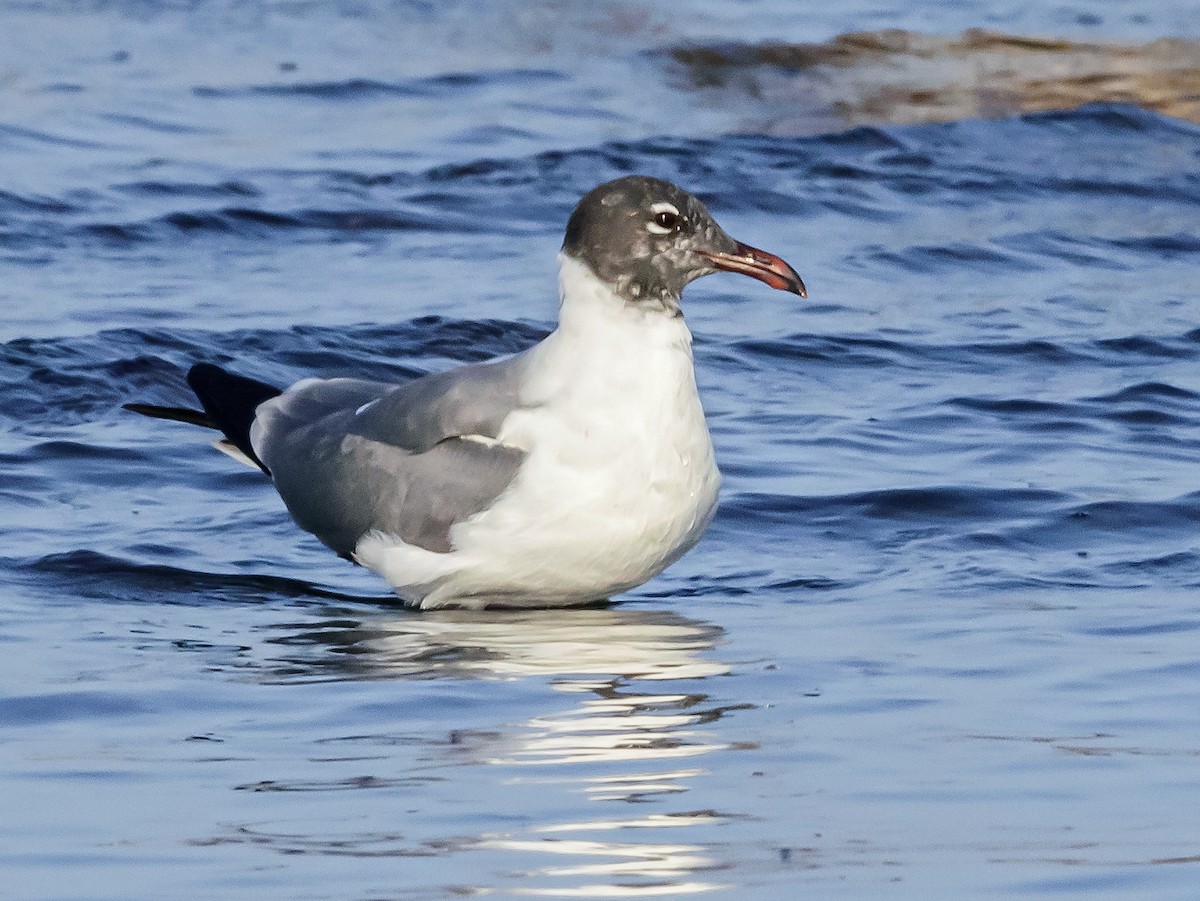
(352, 457)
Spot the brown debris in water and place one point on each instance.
(902, 77)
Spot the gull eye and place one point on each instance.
(666, 219)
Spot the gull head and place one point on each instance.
(647, 238)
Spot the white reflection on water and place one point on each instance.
(619, 726)
(669, 865)
(629, 644)
(635, 716)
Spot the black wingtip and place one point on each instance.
(230, 401)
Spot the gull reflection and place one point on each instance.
(630, 644)
(636, 728)
(619, 726)
(670, 865)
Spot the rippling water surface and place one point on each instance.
(943, 639)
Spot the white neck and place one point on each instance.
(607, 343)
(588, 303)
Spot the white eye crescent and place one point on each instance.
(665, 218)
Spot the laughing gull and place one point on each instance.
(569, 472)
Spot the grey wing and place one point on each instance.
(470, 400)
(350, 456)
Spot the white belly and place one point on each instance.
(591, 513)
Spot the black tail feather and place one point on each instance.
(230, 402)
(175, 414)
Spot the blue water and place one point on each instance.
(942, 640)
